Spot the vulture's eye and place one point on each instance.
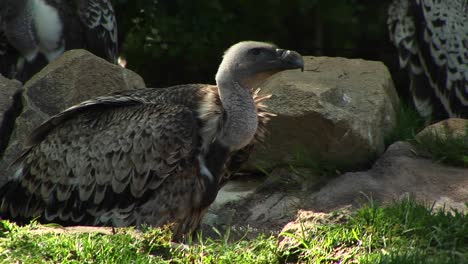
(255, 51)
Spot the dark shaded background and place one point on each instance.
(181, 41)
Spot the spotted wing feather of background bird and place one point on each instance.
(39, 31)
(101, 28)
(432, 41)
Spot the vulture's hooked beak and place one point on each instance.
(291, 58)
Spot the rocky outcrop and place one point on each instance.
(10, 105)
(398, 173)
(338, 110)
(74, 77)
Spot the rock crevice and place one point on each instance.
(10, 108)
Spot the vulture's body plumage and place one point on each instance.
(432, 41)
(149, 156)
(35, 32)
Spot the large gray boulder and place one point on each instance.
(76, 76)
(339, 111)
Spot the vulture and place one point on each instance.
(35, 32)
(147, 156)
(431, 37)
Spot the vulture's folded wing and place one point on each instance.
(97, 165)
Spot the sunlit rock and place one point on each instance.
(338, 110)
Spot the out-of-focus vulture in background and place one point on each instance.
(149, 156)
(35, 32)
(432, 41)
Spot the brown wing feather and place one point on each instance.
(126, 98)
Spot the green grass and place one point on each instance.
(302, 158)
(408, 124)
(447, 148)
(405, 232)
(306, 171)
(22, 243)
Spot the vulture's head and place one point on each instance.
(251, 62)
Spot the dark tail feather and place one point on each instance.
(16, 203)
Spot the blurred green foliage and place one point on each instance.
(181, 41)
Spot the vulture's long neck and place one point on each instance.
(240, 120)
